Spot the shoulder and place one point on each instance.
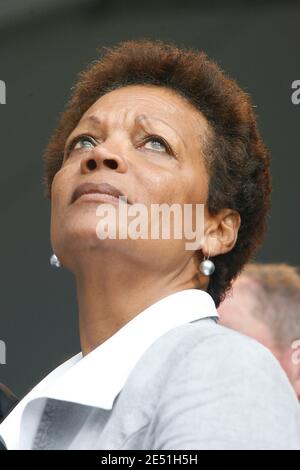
(205, 339)
(204, 386)
(216, 388)
(213, 351)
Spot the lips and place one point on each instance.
(100, 188)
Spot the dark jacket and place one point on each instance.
(7, 401)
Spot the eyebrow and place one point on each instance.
(138, 120)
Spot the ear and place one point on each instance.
(289, 359)
(294, 372)
(296, 385)
(221, 231)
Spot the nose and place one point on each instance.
(101, 157)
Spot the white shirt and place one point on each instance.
(76, 381)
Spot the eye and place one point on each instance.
(80, 142)
(83, 142)
(157, 144)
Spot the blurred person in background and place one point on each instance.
(264, 303)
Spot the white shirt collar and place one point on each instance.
(97, 378)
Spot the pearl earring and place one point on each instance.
(207, 267)
(54, 261)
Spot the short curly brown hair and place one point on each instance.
(238, 162)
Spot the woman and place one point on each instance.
(157, 125)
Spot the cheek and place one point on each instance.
(60, 190)
(55, 190)
(158, 186)
(59, 199)
(186, 186)
(195, 184)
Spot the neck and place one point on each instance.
(109, 298)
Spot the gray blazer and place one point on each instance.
(199, 386)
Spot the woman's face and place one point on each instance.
(146, 142)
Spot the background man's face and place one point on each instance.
(237, 311)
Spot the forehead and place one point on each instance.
(154, 101)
